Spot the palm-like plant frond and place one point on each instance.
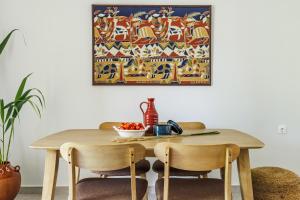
(5, 40)
(10, 112)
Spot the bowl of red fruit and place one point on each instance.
(131, 129)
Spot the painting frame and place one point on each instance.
(208, 83)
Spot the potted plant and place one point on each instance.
(10, 178)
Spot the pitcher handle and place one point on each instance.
(17, 168)
(141, 106)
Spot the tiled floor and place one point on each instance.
(63, 195)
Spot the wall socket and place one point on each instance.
(282, 129)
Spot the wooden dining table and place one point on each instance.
(52, 143)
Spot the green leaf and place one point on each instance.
(9, 123)
(39, 99)
(43, 98)
(11, 135)
(35, 108)
(2, 110)
(10, 109)
(21, 87)
(17, 113)
(8, 105)
(26, 93)
(13, 111)
(17, 107)
(4, 42)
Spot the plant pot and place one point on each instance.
(10, 181)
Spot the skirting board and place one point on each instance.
(38, 190)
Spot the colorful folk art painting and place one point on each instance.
(151, 45)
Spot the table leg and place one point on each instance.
(50, 174)
(243, 163)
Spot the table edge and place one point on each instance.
(32, 146)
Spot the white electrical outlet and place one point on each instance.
(282, 129)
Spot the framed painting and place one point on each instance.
(151, 45)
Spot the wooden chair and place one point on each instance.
(104, 158)
(158, 166)
(109, 125)
(142, 167)
(191, 125)
(195, 158)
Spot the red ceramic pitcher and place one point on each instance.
(150, 116)
(10, 181)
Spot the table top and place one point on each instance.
(105, 137)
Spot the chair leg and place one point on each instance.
(143, 176)
(204, 176)
(222, 173)
(103, 176)
(160, 175)
(77, 172)
(146, 195)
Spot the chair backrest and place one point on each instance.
(109, 125)
(101, 158)
(197, 158)
(191, 125)
(183, 125)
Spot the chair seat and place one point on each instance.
(158, 167)
(191, 189)
(109, 188)
(141, 167)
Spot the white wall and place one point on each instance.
(255, 76)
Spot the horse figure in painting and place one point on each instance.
(175, 28)
(119, 30)
(162, 69)
(108, 69)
